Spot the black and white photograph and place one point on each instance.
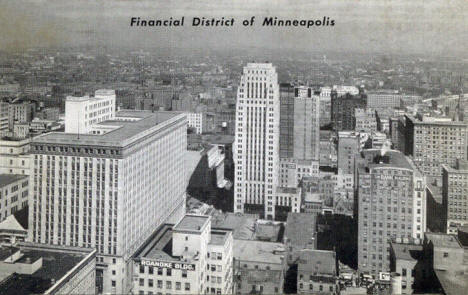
(233, 147)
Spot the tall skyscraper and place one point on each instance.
(392, 205)
(256, 151)
(299, 134)
(111, 190)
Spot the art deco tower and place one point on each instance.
(256, 151)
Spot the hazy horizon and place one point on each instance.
(414, 27)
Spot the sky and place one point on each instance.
(394, 26)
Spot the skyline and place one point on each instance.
(418, 27)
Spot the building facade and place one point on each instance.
(83, 112)
(348, 147)
(109, 191)
(256, 147)
(14, 193)
(454, 196)
(432, 143)
(317, 272)
(14, 156)
(391, 204)
(342, 110)
(187, 258)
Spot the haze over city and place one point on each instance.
(424, 27)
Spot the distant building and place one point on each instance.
(342, 109)
(195, 120)
(454, 195)
(14, 156)
(348, 147)
(81, 113)
(29, 268)
(432, 143)
(293, 170)
(299, 122)
(49, 114)
(14, 194)
(366, 120)
(4, 118)
(317, 272)
(190, 257)
(392, 204)
(384, 100)
(300, 234)
(22, 112)
(259, 267)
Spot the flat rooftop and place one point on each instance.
(119, 137)
(390, 158)
(317, 261)
(259, 251)
(443, 240)
(248, 227)
(218, 237)
(56, 262)
(300, 228)
(192, 223)
(6, 179)
(408, 252)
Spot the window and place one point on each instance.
(446, 254)
(187, 286)
(142, 269)
(403, 272)
(150, 283)
(142, 282)
(169, 272)
(150, 270)
(113, 283)
(184, 273)
(160, 271)
(168, 285)
(177, 285)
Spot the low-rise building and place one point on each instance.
(317, 272)
(14, 156)
(259, 267)
(11, 231)
(47, 269)
(300, 234)
(406, 267)
(14, 193)
(187, 258)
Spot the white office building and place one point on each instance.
(188, 258)
(81, 113)
(256, 147)
(109, 191)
